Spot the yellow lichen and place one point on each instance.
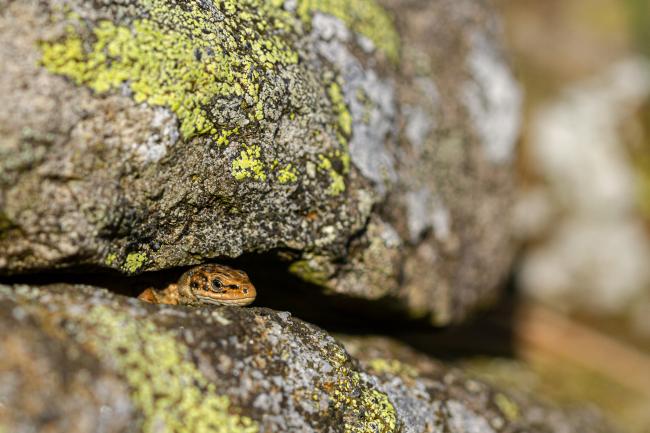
(368, 410)
(345, 120)
(249, 164)
(392, 366)
(344, 125)
(111, 258)
(309, 271)
(166, 386)
(134, 261)
(507, 406)
(184, 56)
(181, 58)
(288, 174)
(366, 17)
(337, 183)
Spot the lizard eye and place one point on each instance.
(217, 284)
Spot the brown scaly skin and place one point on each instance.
(205, 284)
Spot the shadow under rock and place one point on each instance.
(487, 333)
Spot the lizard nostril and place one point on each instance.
(245, 291)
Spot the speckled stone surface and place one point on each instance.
(81, 359)
(367, 143)
(431, 396)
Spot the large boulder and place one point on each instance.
(81, 359)
(368, 146)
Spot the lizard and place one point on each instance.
(205, 284)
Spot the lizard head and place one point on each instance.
(217, 284)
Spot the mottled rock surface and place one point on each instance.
(423, 388)
(81, 359)
(368, 145)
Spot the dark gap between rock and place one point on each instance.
(488, 333)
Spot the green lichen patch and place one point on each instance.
(311, 271)
(344, 117)
(166, 386)
(182, 56)
(507, 406)
(366, 17)
(366, 409)
(392, 366)
(134, 261)
(288, 174)
(337, 182)
(221, 67)
(110, 259)
(344, 124)
(249, 164)
(216, 66)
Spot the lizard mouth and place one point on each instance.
(239, 301)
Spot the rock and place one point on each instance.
(588, 197)
(81, 359)
(422, 389)
(368, 146)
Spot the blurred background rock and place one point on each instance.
(583, 212)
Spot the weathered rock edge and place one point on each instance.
(81, 359)
(370, 146)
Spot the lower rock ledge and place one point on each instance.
(82, 359)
